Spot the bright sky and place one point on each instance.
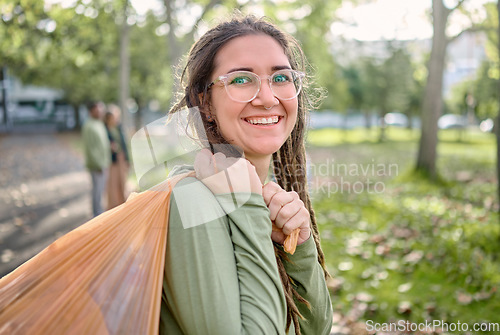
(384, 19)
(142, 6)
(395, 19)
(378, 19)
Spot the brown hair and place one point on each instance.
(289, 163)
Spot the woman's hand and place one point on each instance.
(288, 214)
(223, 174)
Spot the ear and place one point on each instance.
(208, 115)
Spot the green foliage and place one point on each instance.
(76, 48)
(418, 250)
(68, 48)
(384, 85)
(484, 88)
(23, 26)
(490, 26)
(151, 76)
(484, 93)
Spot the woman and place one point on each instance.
(118, 170)
(229, 274)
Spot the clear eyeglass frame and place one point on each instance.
(297, 82)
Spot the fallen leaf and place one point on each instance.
(404, 287)
(404, 307)
(364, 297)
(345, 266)
(463, 298)
(414, 256)
(7, 256)
(335, 283)
(18, 222)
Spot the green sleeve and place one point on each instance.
(94, 147)
(221, 275)
(309, 281)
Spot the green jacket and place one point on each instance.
(96, 145)
(221, 275)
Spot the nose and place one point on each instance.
(265, 97)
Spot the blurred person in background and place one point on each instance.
(97, 153)
(119, 168)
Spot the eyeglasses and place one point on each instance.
(243, 86)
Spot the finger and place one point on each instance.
(299, 220)
(278, 201)
(269, 190)
(286, 215)
(278, 237)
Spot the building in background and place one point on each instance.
(29, 104)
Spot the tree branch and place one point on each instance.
(459, 4)
(472, 29)
(206, 9)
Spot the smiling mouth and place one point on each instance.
(263, 121)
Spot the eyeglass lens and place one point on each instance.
(244, 86)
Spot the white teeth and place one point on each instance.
(269, 120)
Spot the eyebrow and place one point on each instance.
(281, 67)
(249, 69)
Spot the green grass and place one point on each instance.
(418, 250)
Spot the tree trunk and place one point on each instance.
(368, 118)
(3, 82)
(382, 125)
(410, 120)
(433, 98)
(173, 46)
(139, 117)
(76, 114)
(124, 68)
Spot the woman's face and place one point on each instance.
(241, 123)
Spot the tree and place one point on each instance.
(397, 73)
(124, 68)
(433, 95)
(66, 48)
(353, 78)
(385, 85)
(150, 79)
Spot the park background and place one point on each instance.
(403, 152)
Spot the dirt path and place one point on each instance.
(44, 193)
